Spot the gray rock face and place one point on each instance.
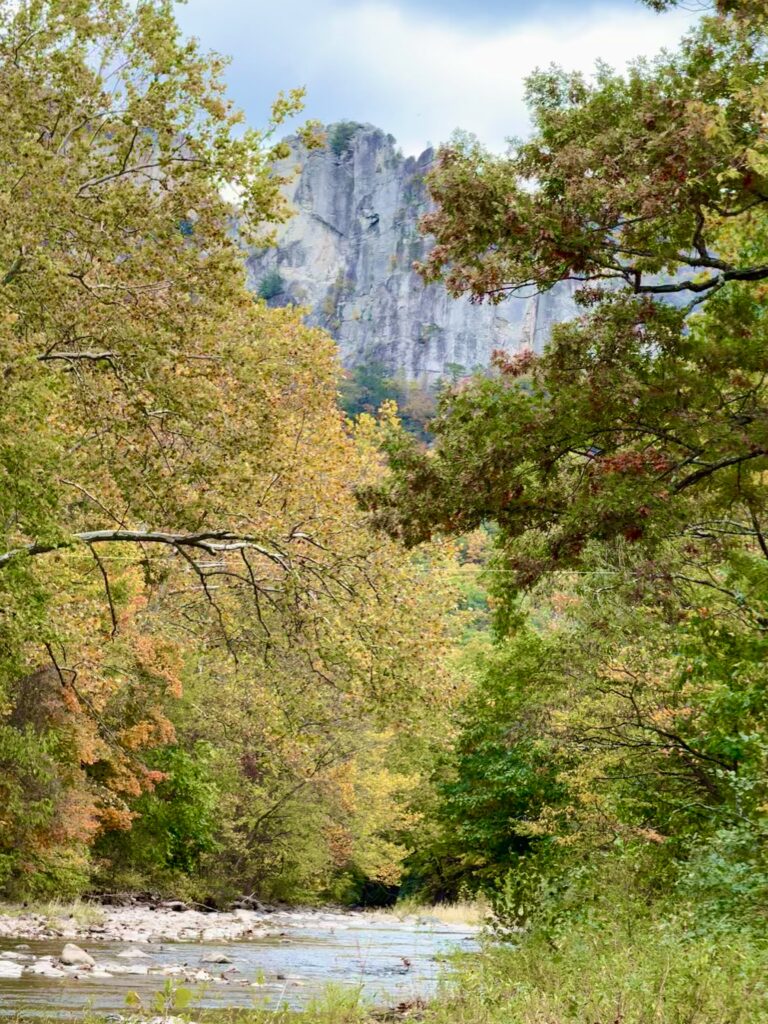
(347, 254)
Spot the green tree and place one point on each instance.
(625, 467)
(636, 422)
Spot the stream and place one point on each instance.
(386, 960)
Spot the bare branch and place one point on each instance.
(211, 541)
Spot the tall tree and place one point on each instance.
(175, 478)
(623, 469)
(640, 420)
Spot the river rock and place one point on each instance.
(216, 958)
(46, 969)
(133, 953)
(175, 905)
(122, 968)
(74, 955)
(8, 969)
(10, 954)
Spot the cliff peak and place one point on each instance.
(348, 255)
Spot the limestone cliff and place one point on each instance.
(347, 254)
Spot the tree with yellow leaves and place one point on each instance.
(175, 478)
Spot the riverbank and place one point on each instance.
(149, 923)
(174, 921)
(651, 973)
(610, 967)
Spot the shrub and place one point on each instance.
(271, 285)
(341, 135)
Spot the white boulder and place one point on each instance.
(75, 956)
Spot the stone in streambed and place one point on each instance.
(46, 969)
(216, 958)
(133, 953)
(121, 968)
(75, 956)
(199, 976)
(8, 969)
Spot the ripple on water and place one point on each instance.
(388, 963)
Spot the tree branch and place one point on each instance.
(705, 471)
(211, 541)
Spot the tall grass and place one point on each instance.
(58, 913)
(469, 912)
(612, 973)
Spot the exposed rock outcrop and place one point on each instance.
(347, 254)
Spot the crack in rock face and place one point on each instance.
(348, 253)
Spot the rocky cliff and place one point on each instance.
(347, 254)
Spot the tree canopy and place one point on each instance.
(176, 479)
(621, 472)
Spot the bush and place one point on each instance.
(177, 822)
(726, 880)
(619, 967)
(271, 285)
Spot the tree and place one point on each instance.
(624, 179)
(175, 478)
(623, 469)
(638, 422)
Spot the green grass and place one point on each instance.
(606, 973)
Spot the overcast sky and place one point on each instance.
(419, 68)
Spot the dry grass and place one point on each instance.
(82, 913)
(468, 912)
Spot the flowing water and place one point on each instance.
(386, 961)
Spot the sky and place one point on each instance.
(419, 68)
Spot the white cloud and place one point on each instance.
(414, 75)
